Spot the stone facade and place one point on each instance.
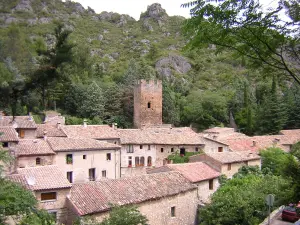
(205, 189)
(214, 146)
(30, 161)
(147, 103)
(57, 206)
(26, 133)
(158, 211)
(137, 151)
(229, 169)
(83, 161)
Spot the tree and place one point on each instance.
(48, 74)
(241, 200)
(125, 215)
(244, 27)
(171, 111)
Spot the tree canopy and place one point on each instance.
(246, 28)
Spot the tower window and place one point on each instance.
(149, 105)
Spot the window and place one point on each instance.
(69, 159)
(129, 148)
(84, 156)
(70, 176)
(173, 211)
(172, 149)
(103, 173)
(149, 105)
(5, 144)
(48, 196)
(21, 133)
(220, 149)
(137, 161)
(129, 161)
(246, 163)
(142, 161)
(149, 161)
(211, 184)
(141, 146)
(149, 147)
(38, 161)
(162, 150)
(108, 156)
(182, 151)
(196, 149)
(229, 166)
(92, 174)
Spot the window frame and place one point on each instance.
(108, 156)
(69, 160)
(49, 200)
(220, 148)
(129, 149)
(84, 157)
(161, 150)
(38, 161)
(93, 172)
(173, 211)
(229, 166)
(211, 184)
(71, 176)
(104, 172)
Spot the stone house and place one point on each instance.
(97, 132)
(164, 198)
(8, 137)
(24, 125)
(228, 163)
(32, 153)
(83, 160)
(49, 186)
(198, 173)
(150, 147)
(53, 118)
(214, 145)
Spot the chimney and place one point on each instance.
(58, 125)
(253, 143)
(45, 135)
(1, 115)
(250, 154)
(84, 123)
(276, 140)
(29, 116)
(114, 126)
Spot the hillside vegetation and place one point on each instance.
(58, 55)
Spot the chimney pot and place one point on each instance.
(45, 135)
(254, 143)
(84, 123)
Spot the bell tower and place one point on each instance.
(147, 103)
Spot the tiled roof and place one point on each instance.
(219, 130)
(168, 136)
(230, 157)
(90, 131)
(24, 122)
(291, 132)
(66, 144)
(97, 196)
(8, 134)
(194, 172)
(20, 179)
(27, 147)
(44, 177)
(257, 143)
(51, 131)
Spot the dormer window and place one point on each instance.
(149, 105)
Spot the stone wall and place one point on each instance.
(212, 146)
(147, 103)
(158, 212)
(30, 161)
(203, 189)
(235, 167)
(59, 205)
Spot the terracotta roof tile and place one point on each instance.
(291, 132)
(229, 157)
(171, 136)
(24, 122)
(66, 144)
(27, 147)
(194, 172)
(8, 134)
(51, 131)
(100, 132)
(45, 177)
(20, 179)
(97, 196)
(219, 130)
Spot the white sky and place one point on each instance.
(135, 7)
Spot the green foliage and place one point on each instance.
(241, 200)
(38, 217)
(125, 215)
(177, 158)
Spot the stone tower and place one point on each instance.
(147, 103)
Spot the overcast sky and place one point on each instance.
(135, 7)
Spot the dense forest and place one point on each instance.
(57, 55)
